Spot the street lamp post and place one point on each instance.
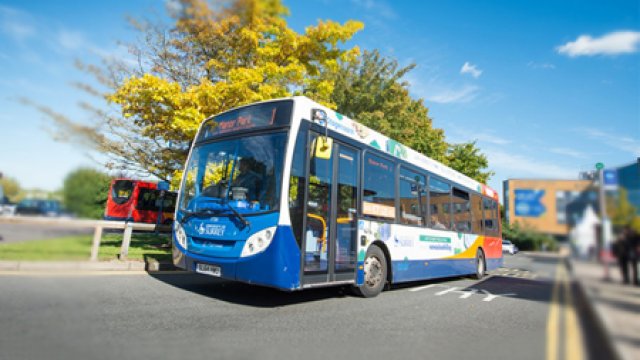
(604, 223)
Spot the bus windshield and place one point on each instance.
(242, 173)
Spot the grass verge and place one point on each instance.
(143, 247)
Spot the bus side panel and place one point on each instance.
(413, 270)
(493, 252)
(419, 253)
(278, 266)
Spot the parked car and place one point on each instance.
(7, 207)
(509, 247)
(39, 207)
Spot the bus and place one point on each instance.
(139, 201)
(290, 194)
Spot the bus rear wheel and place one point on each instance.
(480, 265)
(375, 273)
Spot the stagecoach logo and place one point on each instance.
(211, 229)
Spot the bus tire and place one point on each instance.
(481, 266)
(375, 273)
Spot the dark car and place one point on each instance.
(39, 207)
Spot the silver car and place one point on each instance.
(509, 247)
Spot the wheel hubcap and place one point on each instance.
(480, 266)
(372, 271)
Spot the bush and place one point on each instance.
(528, 239)
(85, 192)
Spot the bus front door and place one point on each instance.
(331, 209)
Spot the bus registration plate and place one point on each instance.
(208, 269)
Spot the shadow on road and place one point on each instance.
(245, 294)
(259, 296)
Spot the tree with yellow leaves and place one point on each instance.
(216, 57)
(213, 58)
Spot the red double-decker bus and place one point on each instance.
(139, 201)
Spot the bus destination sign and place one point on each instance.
(251, 117)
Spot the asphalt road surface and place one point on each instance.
(20, 232)
(516, 313)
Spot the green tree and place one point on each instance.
(621, 212)
(85, 192)
(372, 91)
(11, 188)
(467, 159)
(213, 58)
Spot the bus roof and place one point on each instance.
(352, 129)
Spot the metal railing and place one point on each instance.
(97, 225)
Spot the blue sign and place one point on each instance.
(163, 185)
(610, 178)
(528, 202)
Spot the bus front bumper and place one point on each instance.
(278, 266)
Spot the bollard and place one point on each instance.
(97, 237)
(126, 241)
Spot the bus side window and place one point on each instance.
(476, 214)
(462, 214)
(490, 210)
(379, 188)
(412, 188)
(440, 202)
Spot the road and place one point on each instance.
(508, 315)
(20, 232)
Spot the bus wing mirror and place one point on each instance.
(323, 147)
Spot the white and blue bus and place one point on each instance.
(290, 194)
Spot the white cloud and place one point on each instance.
(470, 69)
(71, 40)
(460, 134)
(614, 43)
(568, 152)
(492, 139)
(17, 24)
(544, 66)
(119, 53)
(462, 95)
(378, 7)
(616, 141)
(515, 165)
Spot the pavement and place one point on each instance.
(9, 266)
(616, 306)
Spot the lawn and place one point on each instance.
(143, 246)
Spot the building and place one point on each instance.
(628, 177)
(549, 206)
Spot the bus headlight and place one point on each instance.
(258, 242)
(181, 236)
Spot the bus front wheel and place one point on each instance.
(375, 273)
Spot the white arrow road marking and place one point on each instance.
(491, 296)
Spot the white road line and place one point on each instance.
(422, 287)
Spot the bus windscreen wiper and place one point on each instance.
(235, 212)
(199, 213)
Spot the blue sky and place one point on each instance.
(547, 88)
